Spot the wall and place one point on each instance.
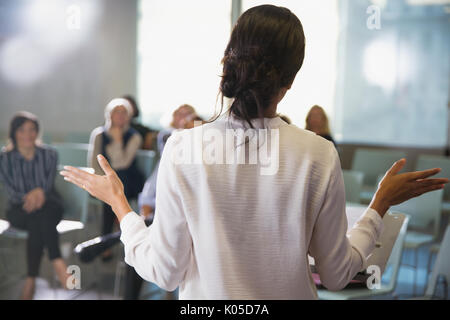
(71, 97)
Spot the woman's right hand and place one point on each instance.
(107, 188)
(116, 133)
(396, 188)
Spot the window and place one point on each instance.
(180, 47)
(315, 82)
(394, 81)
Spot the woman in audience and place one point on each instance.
(317, 121)
(148, 135)
(119, 143)
(27, 170)
(234, 231)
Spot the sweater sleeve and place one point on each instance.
(161, 252)
(338, 256)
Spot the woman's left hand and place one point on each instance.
(107, 188)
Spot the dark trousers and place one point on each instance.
(41, 227)
(133, 281)
(133, 284)
(108, 219)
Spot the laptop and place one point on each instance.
(393, 223)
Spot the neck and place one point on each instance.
(121, 128)
(27, 152)
(271, 111)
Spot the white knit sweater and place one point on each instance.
(227, 231)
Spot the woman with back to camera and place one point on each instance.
(226, 231)
(119, 143)
(27, 170)
(148, 135)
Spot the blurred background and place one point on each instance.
(379, 68)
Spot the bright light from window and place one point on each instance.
(380, 63)
(179, 52)
(46, 38)
(315, 82)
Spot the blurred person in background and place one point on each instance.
(119, 143)
(148, 135)
(27, 170)
(317, 122)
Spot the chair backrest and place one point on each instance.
(74, 154)
(442, 264)
(353, 182)
(75, 199)
(77, 137)
(430, 161)
(373, 162)
(393, 264)
(146, 160)
(47, 138)
(424, 211)
(3, 200)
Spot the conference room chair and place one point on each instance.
(441, 270)
(47, 138)
(77, 137)
(425, 214)
(388, 279)
(73, 154)
(353, 181)
(75, 202)
(372, 163)
(433, 161)
(145, 161)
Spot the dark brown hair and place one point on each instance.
(265, 51)
(17, 121)
(134, 105)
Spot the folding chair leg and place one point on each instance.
(416, 270)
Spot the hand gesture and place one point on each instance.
(396, 188)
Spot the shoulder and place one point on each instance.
(96, 134)
(6, 154)
(135, 135)
(292, 132)
(301, 142)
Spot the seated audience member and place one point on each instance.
(119, 143)
(27, 170)
(317, 121)
(148, 135)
